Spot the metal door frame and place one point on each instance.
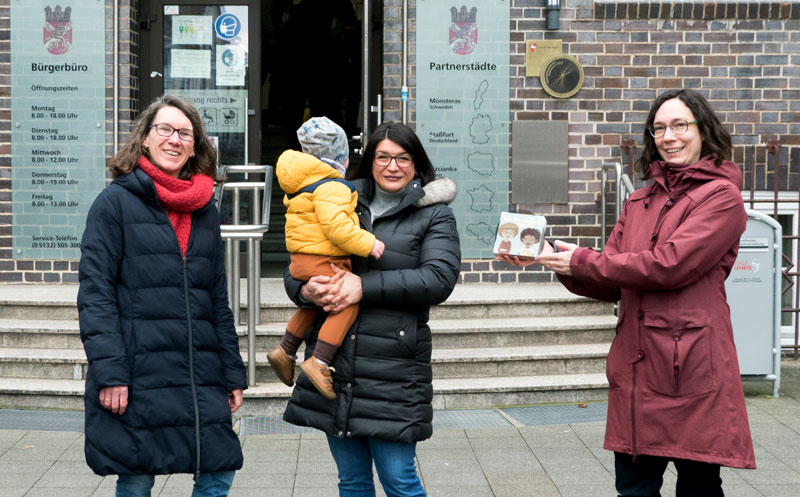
(371, 67)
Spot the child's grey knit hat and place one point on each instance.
(324, 139)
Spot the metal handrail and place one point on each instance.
(624, 190)
(252, 233)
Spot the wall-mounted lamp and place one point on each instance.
(552, 9)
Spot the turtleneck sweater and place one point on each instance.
(383, 201)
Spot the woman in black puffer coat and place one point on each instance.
(382, 372)
(165, 372)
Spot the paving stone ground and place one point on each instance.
(553, 460)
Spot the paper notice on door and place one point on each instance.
(190, 63)
(230, 65)
(192, 30)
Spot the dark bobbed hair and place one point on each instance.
(406, 138)
(205, 156)
(716, 139)
(530, 232)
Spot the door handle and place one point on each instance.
(360, 139)
(378, 109)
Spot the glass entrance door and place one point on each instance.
(255, 69)
(202, 52)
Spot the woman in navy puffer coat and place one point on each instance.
(165, 372)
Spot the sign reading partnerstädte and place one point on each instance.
(463, 109)
(57, 123)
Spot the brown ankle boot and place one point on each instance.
(282, 365)
(320, 376)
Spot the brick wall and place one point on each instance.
(743, 56)
(61, 271)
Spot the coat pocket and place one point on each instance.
(407, 340)
(615, 363)
(678, 358)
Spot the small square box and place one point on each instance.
(520, 234)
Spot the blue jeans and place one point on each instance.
(394, 462)
(206, 485)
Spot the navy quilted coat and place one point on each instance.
(383, 367)
(159, 323)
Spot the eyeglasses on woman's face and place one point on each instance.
(167, 131)
(402, 160)
(678, 127)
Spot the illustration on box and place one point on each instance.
(520, 234)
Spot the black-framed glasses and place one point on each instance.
(402, 160)
(166, 131)
(678, 127)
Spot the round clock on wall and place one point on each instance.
(561, 76)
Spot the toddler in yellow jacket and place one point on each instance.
(321, 228)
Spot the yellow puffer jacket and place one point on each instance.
(324, 221)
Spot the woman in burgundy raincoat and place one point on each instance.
(675, 392)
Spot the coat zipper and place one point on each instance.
(633, 414)
(189, 327)
(191, 370)
(676, 336)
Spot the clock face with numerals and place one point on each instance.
(561, 76)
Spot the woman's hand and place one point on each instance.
(115, 398)
(514, 260)
(235, 399)
(350, 292)
(558, 262)
(320, 290)
(524, 261)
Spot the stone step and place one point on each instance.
(475, 393)
(519, 361)
(57, 302)
(71, 364)
(447, 333)
(40, 333)
(523, 331)
(56, 364)
(270, 399)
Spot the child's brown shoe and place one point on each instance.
(282, 365)
(320, 376)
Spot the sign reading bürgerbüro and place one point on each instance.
(57, 123)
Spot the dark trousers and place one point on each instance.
(643, 478)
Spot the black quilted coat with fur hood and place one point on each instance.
(383, 368)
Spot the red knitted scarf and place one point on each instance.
(180, 198)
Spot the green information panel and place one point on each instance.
(57, 123)
(463, 110)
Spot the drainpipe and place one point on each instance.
(116, 77)
(404, 90)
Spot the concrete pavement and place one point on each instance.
(514, 460)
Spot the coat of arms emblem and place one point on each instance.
(463, 30)
(57, 30)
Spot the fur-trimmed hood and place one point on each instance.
(438, 191)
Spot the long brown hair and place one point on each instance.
(205, 156)
(716, 139)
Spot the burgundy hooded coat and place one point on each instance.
(674, 384)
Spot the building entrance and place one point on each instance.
(256, 69)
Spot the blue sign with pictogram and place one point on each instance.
(227, 26)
